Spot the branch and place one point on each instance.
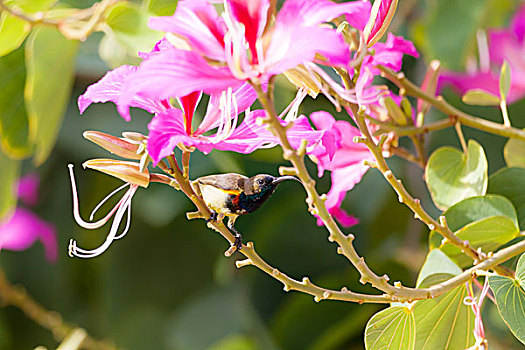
(305, 286)
(464, 118)
(51, 320)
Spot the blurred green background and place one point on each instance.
(167, 284)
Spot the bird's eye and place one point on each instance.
(260, 181)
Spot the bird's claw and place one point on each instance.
(238, 242)
(213, 216)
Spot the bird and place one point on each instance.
(233, 195)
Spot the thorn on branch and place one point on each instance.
(287, 171)
(243, 263)
(194, 215)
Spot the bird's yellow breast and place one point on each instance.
(216, 198)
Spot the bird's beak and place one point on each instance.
(278, 180)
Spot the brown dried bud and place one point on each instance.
(113, 144)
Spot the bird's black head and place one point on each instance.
(262, 183)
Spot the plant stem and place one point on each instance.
(254, 259)
(461, 137)
(505, 113)
(16, 296)
(412, 130)
(464, 118)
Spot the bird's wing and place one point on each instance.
(225, 182)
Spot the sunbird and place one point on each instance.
(232, 195)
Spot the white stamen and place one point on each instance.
(76, 211)
(128, 222)
(105, 200)
(84, 253)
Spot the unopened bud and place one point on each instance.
(394, 111)
(126, 171)
(380, 18)
(113, 144)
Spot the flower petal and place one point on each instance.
(166, 130)
(252, 14)
(314, 12)
(23, 229)
(174, 73)
(199, 23)
(109, 88)
(28, 189)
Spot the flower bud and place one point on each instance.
(113, 144)
(394, 111)
(429, 85)
(380, 18)
(302, 78)
(126, 171)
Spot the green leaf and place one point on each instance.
(477, 208)
(130, 26)
(514, 153)
(437, 263)
(510, 298)
(14, 124)
(391, 328)
(452, 176)
(487, 234)
(234, 342)
(31, 6)
(161, 7)
(510, 183)
(10, 171)
(504, 80)
(455, 20)
(480, 97)
(50, 61)
(444, 322)
(13, 31)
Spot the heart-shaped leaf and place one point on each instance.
(510, 183)
(437, 267)
(13, 31)
(510, 298)
(477, 208)
(514, 153)
(14, 123)
(487, 234)
(130, 26)
(452, 176)
(391, 328)
(444, 322)
(10, 170)
(50, 60)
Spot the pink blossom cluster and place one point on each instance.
(23, 228)
(503, 44)
(224, 55)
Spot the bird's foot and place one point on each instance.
(213, 216)
(238, 242)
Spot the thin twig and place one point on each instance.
(17, 296)
(464, 118)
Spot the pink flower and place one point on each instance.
(389, 54)
(23, 229)
(503, 45)
(28, 189)
(344, 158)
(173, 126)
(221, 52)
